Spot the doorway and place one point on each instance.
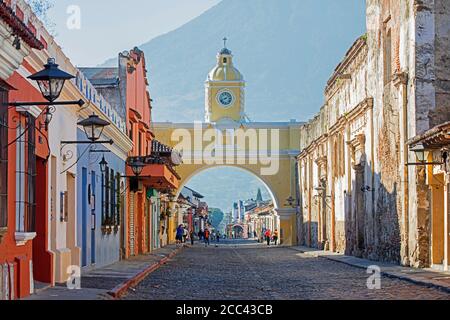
(437, 221)
(42, 257)
(84, 218)
(93, 215)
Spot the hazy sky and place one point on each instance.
(111, 26)
(223, 186)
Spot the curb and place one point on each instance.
(120, 290)
(388, 274)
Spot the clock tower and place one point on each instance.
(225, 94)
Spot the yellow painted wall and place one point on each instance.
(281, 184)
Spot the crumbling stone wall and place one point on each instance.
(403, 69)
(441, 113)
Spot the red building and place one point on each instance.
(23, 165)
(149, 224)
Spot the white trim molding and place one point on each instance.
(23, 237)
(35, 111)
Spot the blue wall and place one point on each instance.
(96, 248)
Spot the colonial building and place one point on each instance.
(432, 148)
(357, 193)
(190, 208)
(100, 184)
(147, 220)
(261, 218)
(43, 155)
(22, 159)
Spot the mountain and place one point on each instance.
(286, 49)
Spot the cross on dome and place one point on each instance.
(225, 50)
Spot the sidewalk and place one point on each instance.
(424, 277)
(112, 281)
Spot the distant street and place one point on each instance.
(239, 269)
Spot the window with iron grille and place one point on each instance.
(106, 201)
(112, 197)
(25, 174)
(3, 158)
(119, 200)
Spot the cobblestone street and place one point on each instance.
(249, 271)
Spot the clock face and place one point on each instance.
(226, 98)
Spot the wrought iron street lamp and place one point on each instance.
(48, 116)
(93, 127)
(137, 166)
(103, 165)
(51, 80)
(291, 202)
(420, 152)
(422, 155)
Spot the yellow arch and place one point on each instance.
(281, 185)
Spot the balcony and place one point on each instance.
(159, 171)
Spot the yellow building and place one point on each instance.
(266, 149)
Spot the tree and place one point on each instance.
(41, 9)
(216, 217)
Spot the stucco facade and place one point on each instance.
(358, 195)
(21, 159)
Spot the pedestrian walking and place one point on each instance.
(268, 236)
(185, 234)
(275, 237)
(218, 237)
(263, 235)
(206, 236)
(179, 234)
(192, 236)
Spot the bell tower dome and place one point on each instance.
(224, 91)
